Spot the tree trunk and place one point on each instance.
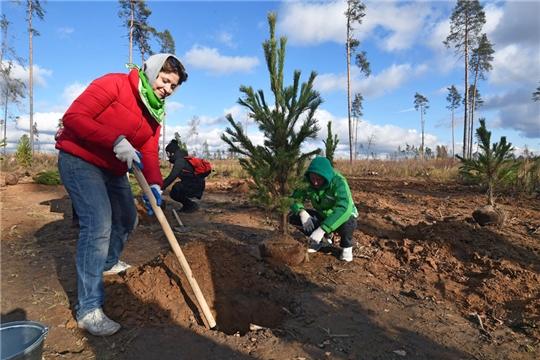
(5, 119)
(31, 80)
(349, 85)
(490, 196)
(453, 148)
(422, 149)
(132, 6)
(473, 105)
(466, 104)
(356, 140)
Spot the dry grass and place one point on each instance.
(42, 162)
(443, 170)
(230, 168)
(434, 169)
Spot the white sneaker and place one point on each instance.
(314, 247)
(97, 323)
(346, 254)
(119, 267)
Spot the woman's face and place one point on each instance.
(317, 180)
(165, 84)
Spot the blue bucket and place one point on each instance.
(22, 340)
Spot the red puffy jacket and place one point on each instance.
(110, 107)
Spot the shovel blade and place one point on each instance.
(183, 229)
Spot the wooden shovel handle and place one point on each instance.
(175, 246)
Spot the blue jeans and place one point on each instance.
(107, 216)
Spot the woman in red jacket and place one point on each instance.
(113, 125)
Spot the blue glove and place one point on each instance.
(156, 190)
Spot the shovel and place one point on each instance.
(176, 248)
(182, 228)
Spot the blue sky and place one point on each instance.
(220, 45)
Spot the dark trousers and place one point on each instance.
(345, 231)
(178, 193)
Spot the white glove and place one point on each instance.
(307, 221)
(316, 236)
(126, 153)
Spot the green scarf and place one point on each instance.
(155, 105)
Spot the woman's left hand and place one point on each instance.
(156, 190)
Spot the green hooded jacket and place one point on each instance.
(333, 201)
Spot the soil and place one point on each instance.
(426, 282)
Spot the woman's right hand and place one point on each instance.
(126, 152)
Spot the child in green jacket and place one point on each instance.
(334, 209)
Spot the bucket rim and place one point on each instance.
(15, 324)
(38, 342)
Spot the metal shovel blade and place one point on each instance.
(182, 228)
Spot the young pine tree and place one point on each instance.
(277, 165)
(330, 144)
(24, 152)
(495, 165)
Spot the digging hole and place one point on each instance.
(239, 288)
(235, 314)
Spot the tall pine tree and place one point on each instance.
(466, 24)
(454, 98)
(354, 14)
(421, 103)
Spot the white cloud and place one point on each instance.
(396, 26)
(45, 122)
(71, 92)
(515, 65)
(172, 106)
(393, 26)
(374, 86)
(236, 111)
(23, 74)
(494, 15)
(65, 32)
(47, 125)
(206, 58)
(312, 23)
(226, 38)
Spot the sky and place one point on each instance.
(220, 44)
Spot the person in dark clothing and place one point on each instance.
(190, 185)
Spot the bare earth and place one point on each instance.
(426, 281)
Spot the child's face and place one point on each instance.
(317, 180)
